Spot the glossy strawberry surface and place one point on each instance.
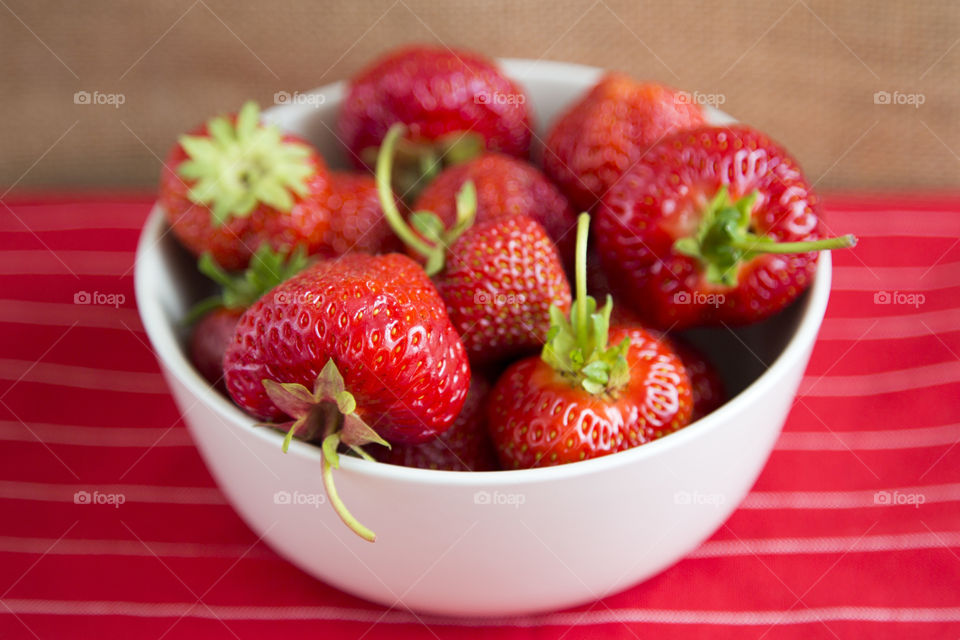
(381, 322)
(234, 242)
(437, 92)
(537, 418)
(356, 218)
(605, 133)
(505, 186)
(500, 278)
(662, 199)
(466, 446)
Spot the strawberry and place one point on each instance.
(381, 321)
(715, 225)
(218, 314)
(455, 103)
(497, 278)
(236, 183)
(465, 446)
(352, 350)
(356, 220)
(505, 186)
(581, 398)
(499, 281)
(705, 382)
(209, 340)
(607, 131)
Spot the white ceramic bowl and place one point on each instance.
(484, 544)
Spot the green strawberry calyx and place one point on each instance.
(724, 240)
(238, 164)
(577, 345)
(425, 233)
(328, 410)
(267, 269)
(419, 162)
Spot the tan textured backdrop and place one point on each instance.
(804, 70)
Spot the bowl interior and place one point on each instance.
(742, 355)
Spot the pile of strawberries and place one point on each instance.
(430, 308)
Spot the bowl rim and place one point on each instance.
(174, 360)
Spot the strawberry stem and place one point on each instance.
(331, 406)
(330, 461)
(428, 224)
(583, 226)
(724, 239)
(387, 201)
(840, 242)
(418, 162)
(577, 345)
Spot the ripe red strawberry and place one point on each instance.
(236, 183)
(715, 225)
(218, 315)
(608, 131)
(356, 218)
(498, 283)
(582, 398)
(505, 186)
(454, 103)
(498, 278)
(353, 350)
(466, 446)
(379, 318)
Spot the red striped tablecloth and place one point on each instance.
(852, 531)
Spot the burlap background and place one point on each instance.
(804, 70)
